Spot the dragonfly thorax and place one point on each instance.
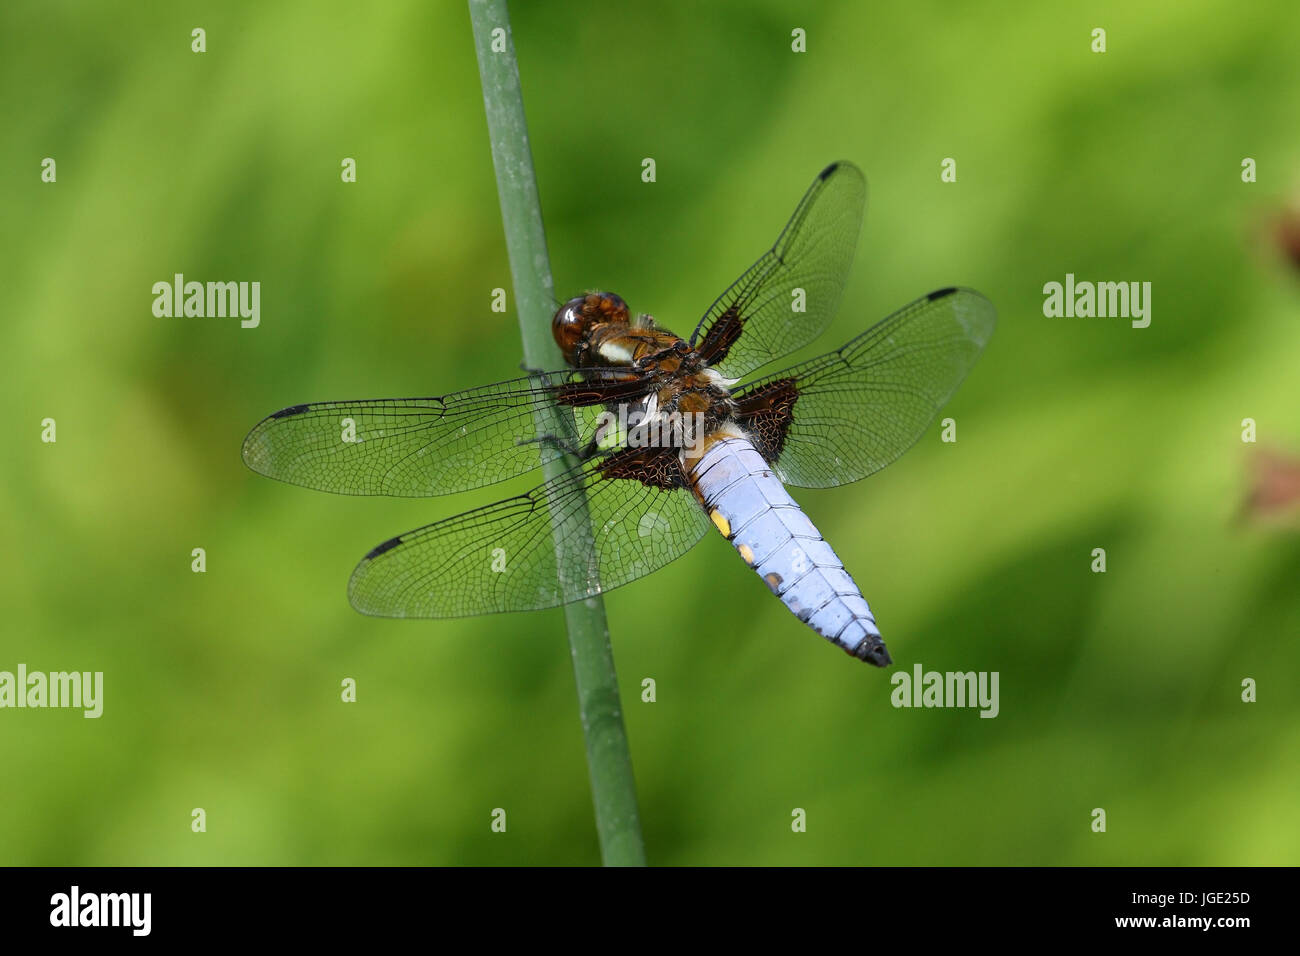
(679, 394)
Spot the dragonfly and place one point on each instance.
(667, 438)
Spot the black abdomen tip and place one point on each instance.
(873, 652)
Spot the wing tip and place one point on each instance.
(361, 604)
(981, 320)
(255, 450)
(976, 312)
(839, 164)
(252, 452)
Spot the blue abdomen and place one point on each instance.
(752, 509)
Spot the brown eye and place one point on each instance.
(577, 317)
(612, 308)
(569, 325)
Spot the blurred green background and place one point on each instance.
(1118, 690)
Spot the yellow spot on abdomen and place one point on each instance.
(721, 522)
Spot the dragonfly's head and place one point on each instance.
(575, 320)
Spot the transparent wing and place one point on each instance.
(503, 557)
(845, 415)
(758, 318)
(417, 447)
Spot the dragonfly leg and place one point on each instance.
(541, 372)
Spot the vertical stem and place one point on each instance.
(608, 759)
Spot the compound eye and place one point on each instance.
(569, 325)
(612, 308)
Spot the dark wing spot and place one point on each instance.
(941, 293)
(825, 173)
(388, 545)
(653, 467)
(722, 335)
(766, 413)
(291, 410)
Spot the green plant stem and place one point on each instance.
(608, 759)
